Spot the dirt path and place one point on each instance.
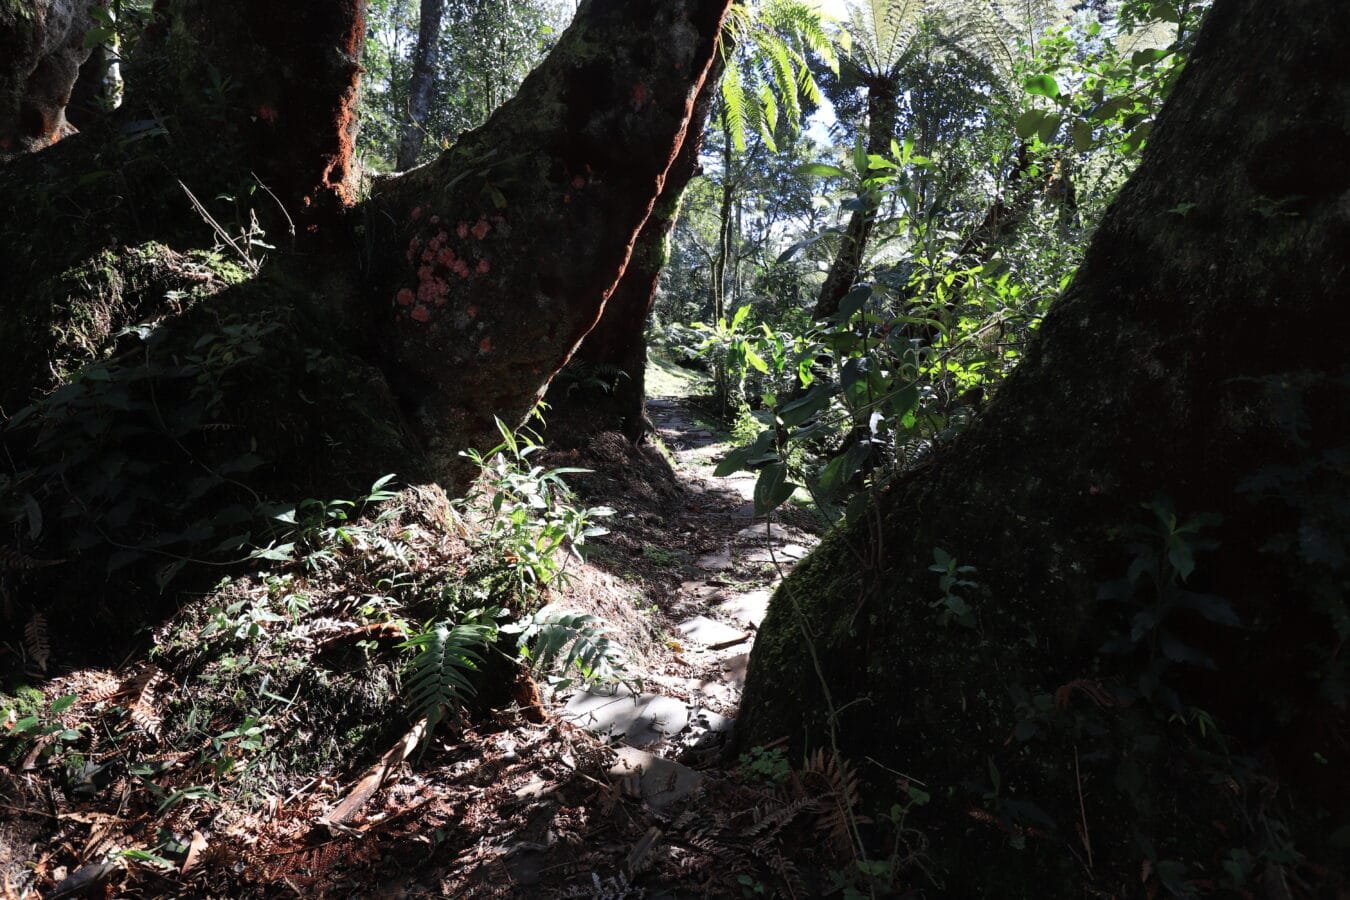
(626, 791)
(728, 562)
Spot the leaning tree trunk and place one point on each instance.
(615, 350)
(185, 358)
(495, 261)
(1192, 356)
(423, 79)
(882, 107)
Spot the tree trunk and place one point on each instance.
(41, 51)
(498, 259)
(278, 94)
(882, 108)
(423, 78)
(1195, 334)
(615, 351)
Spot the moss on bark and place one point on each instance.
(1207, 291)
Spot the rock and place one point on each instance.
(716, 561)
(663, 782)
(749, 609)
(641, 720)
(710, 633)
(733, 669)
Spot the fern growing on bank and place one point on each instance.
(553, 639)
(437, 679)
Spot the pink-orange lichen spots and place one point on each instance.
(462, 229)
(640, 95)
(405, 297)
(485, 345)
(462, 268)
(484, 267)
(481, 230)
(435, 220)
(471, 312)
(421, 314)
(578, 182)
(416, 213)
(268, 113)
(446, 257)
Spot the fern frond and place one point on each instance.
(556, 640)
(437, 678)
(733, 107)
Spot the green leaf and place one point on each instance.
(1147, 56)
(61, 704)
(100, 34)
(821, 170)
(853, 301)
(772, 489)
(1137, 137)
(860, 159)
(1049, 127)
(1029, 122)
(1042, 86)
(756, 361)
(1082, 136)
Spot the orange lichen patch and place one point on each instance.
(578, 182)
(484, 267)
(268, 113)
(640, 95)
(481, 230)
(421, 314)
(471, 312)
(415, 214)
(404, 297)
(485, 345)
(462, 230)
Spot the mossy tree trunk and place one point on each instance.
(490, 265)
(1199, 327)
(609, 392)
(384, 336)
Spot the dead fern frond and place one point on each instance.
(142, 708)
(36, 644)
(836, 786)
(15, 561)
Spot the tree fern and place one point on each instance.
(437, 678)
(767, 74)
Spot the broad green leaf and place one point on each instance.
(772, 489)
(821, 170)
(1082, 136)
(1042, 86)
(1029, 122)
(756, 361)
(1146, 56)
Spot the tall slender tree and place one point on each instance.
(425, 57)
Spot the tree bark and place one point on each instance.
(617, 347)
(1158, 371)
(423, 78)
(495, 261)
(882, 108)
(278, 94)
(41, 51)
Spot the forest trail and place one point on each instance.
(728, 562)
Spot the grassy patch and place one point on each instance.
(666, 378)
